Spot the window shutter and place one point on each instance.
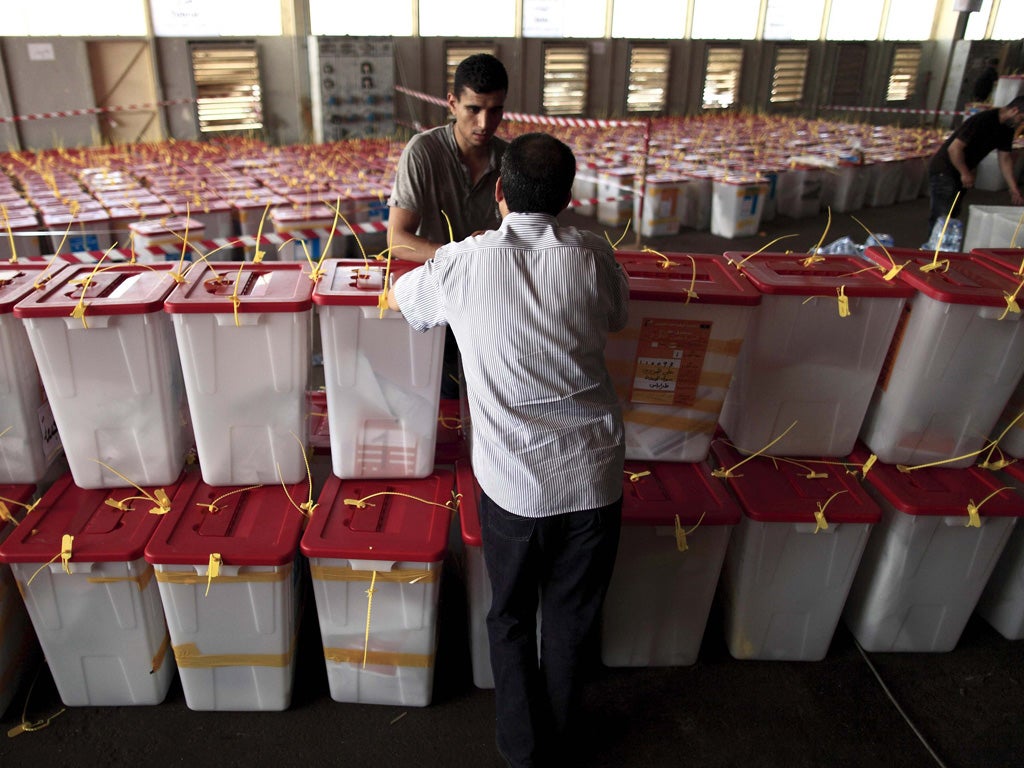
(789, 74)
(903, 74)
(227, 86)
(454, 54)
(648, 79)
(565, 79)
(722, 76)
(851, 65)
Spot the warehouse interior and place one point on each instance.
(910, 74)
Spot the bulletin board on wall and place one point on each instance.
(353, 81)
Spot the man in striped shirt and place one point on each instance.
(531, 305)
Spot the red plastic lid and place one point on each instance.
(941, 491)
(775, 491)
(1010, 259)
(716, 282)
(255, 200)
(246, 526)
(349, 282)
(469, 504)
(451, 444)
(103, 533)
(18, 281)
(168, 227)
(276, 286)
(116, 289)
(392, 527)
(970, 279)
(686, 489)
(61, 217)
(14, 497)
(785, 274)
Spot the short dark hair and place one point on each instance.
(1017, 103)
(537, 171)
(481, 73)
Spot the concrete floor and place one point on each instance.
(968, 704)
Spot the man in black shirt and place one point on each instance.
(986, 80)
(952, 167)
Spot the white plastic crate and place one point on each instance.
(382, 378)
(615, 196)
(1002, 601)
(233, 635)
(17, 640)
(98, 617)
(736, 205)
(663, 584)
(166, 237)
(925, 566)
(785, 579)
(845, 188)
(87, 230)
(246, 373)
(994, 226)
(672, 363)
(21, 223)
(28, 437)
(953, 364)
(106, 355)
(803, 362)
(695, 204)
(661, 205)
(376, 568)
(799, 191)
(307, 225)
(885, 174)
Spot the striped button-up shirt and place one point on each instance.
(531, 305)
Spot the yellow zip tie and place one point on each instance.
(236, 302)
(814, 257)
(727, 473)
(1011, 302)
(212, 506)
(450, 422)
(66, 542)
(31, 726)
(811, 474)
(623, 237)
(765, 247)
(5, 513)
(308, 506)
(635, 477)
(821, 524)
(362, 503)
(973, 516)
(448, 222)
(213, 570)
(844, 301)
(665, 263)
(869, 464)
(681, 534)
(369, 609)
(10, 234)
(942, 236)
(158, 497)
(907, 470)
(895, 269)
(987, 464)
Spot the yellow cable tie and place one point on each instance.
(973, 510)
(357, 503)
(369, 610)
(163, 503)
(728, 473)
(869, 464)
(121, 505)
(450, 422)
(213, 570)
(942, 264)
(66, 542)
(892, 273)
(5, 514)
(31, 726)
(811, 260)
(635, 476)
(844, 301)
(814, 257)
(821, 524)
(681, 544)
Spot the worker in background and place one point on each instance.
(446, 176)
(952, 168)
(532, 305)
(986, 80)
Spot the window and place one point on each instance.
(854, 20)
(977, 22)
(789, 74)
(907, 20)
(648, 79)
(565, 79)
(453, 56)
(851, 66)
(563, 18)
(1009, 21)
(649, 19)
(725, 19)
(462, 18)
(793, 19)
(214, 18)
(227, 85)
(722, 76)
(74, 18)
(903, 74)
(357, 17)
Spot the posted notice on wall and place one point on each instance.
(669, 361)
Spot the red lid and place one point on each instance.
(388, 527)
(18, 281)
(116, 289)
(779, 491)
(303, 217)
(451, 444)
(1010, 259)
(655, 492)
(255, 200)
(785, 274)
(941, 491)
(349, 282)
(716, 282)
(276, 286)
(63, 216)
(246, 526)
(14, 497)
(469, 504)
(103, 533)
(970, 279)
(170, 227)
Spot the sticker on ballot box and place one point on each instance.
(669, 361)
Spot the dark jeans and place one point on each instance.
(943, 189)
(566, 562)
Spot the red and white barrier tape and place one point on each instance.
(93, 111)
(522, 117)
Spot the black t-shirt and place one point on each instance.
(981, 133)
